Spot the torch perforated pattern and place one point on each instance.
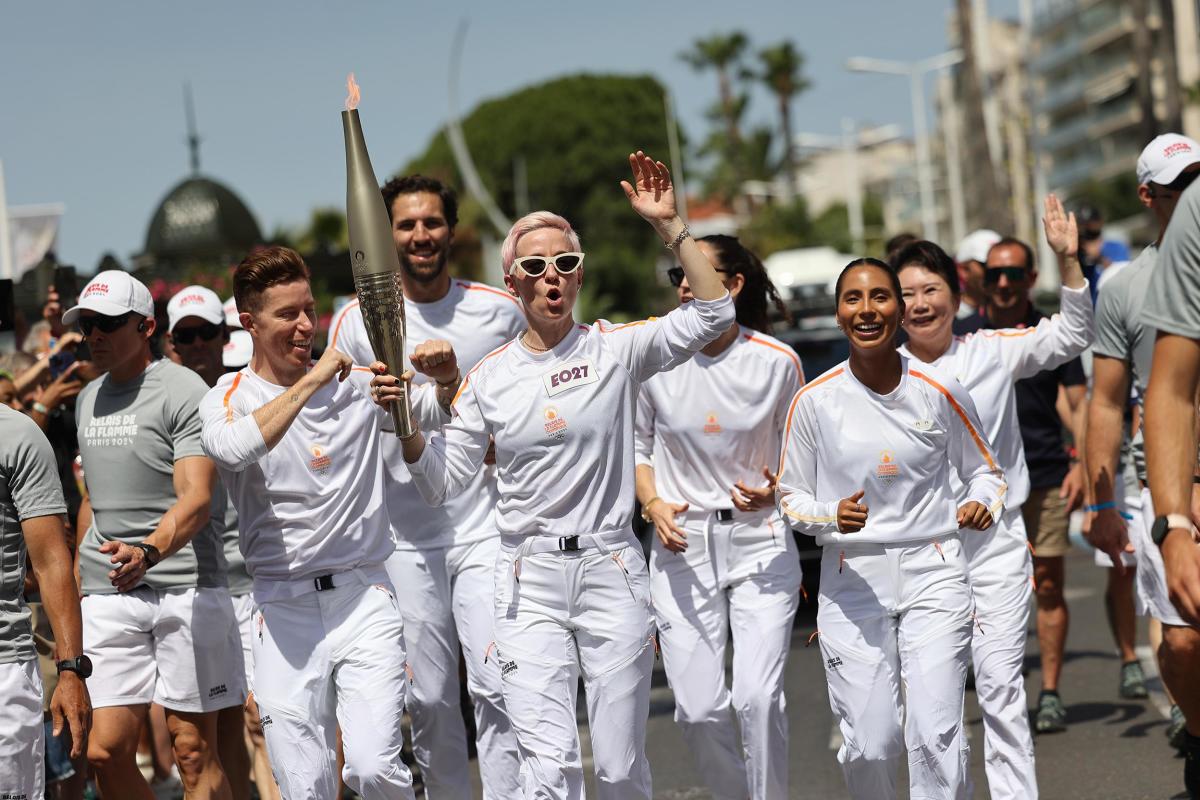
(382, 303)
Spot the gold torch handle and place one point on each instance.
(381, 302)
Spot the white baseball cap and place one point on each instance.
(232, 318)
(195, 301)
(112, 293)
(1166, 157)
(976, 245)
(238, 349)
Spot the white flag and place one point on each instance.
(32, 231)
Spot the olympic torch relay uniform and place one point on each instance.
(444, 560)
(704, 426)
(314, 532)
(571, 589)
(895, 607)
(145, 644)
(29, 487)
(988, 364)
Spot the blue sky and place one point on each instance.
(92, 91)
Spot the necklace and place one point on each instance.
(533, 347)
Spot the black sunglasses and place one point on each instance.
(104, 322)
(1014, 274)
(676, 275)
(1184, 180)
(207, 332)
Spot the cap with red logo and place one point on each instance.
(232, 318)
(1166, 157)
(112, 293)
(238, 349)
(195, 301)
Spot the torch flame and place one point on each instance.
(353, 95)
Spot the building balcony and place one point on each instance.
(1091, 125)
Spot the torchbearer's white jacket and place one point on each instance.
(900, 448)
(563, 422)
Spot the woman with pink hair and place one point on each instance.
(572, 590)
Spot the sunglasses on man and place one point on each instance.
(676, 275)
(207, 332)
(534, 266)
(1184, 180)
(1014, 274)
(106, 323)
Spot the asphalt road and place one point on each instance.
(1114, 749)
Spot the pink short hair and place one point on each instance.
(528, 224)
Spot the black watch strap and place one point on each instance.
(151, 553)
(80, 665)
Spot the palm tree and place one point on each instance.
(781, 72)
(724, 54)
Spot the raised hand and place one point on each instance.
(1061, 231)
(436, 359)
(852, 513)
(333, 363)
(651, 194)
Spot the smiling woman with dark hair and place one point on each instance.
(868, 458)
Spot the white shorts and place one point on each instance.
(22, 737)
(176, 647)
(1151, 575)
(243, 612)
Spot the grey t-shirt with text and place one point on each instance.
(29, 487)
(130, 436)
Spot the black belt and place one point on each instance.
(724, 514)
(323, 583)
(568, 544)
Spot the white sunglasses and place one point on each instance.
(534, 266)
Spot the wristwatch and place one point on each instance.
(80, 665)
(150, 551)
(1162, 525)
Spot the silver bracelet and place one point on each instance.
(683, 234)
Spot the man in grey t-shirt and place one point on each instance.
(31, 509)
(1124, 353)
(196, 325)
(151, 561)
(1173, 307)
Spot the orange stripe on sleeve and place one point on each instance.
(789, 353)
(787, 428)
(623, 326)
(475, 368)
(983, 448)
(233, 388)
(483, 287)
(341, 318)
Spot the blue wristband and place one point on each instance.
(1100, 507)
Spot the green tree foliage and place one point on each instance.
(781, 68)
(575, 135)
(784, 226)
(1115, 197)
(723, 54)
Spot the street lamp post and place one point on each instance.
(915, 70)
(850, 142)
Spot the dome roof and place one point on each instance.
(199, 219)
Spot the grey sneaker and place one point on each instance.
(1176, 729)
(1051, 714)
(1133, 681)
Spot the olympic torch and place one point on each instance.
(373, 258)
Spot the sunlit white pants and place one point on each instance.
(1001, 573)
(22, 735)
(328, 659)
(584, 612)
(895, 633)
(1151, 573)
(742, 574)
(446, 599)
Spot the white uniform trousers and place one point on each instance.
(895, 633)
(446, 598)
(565, 613)
(1001, 573)
(742, 573)
(22, 734)
(329, 658)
